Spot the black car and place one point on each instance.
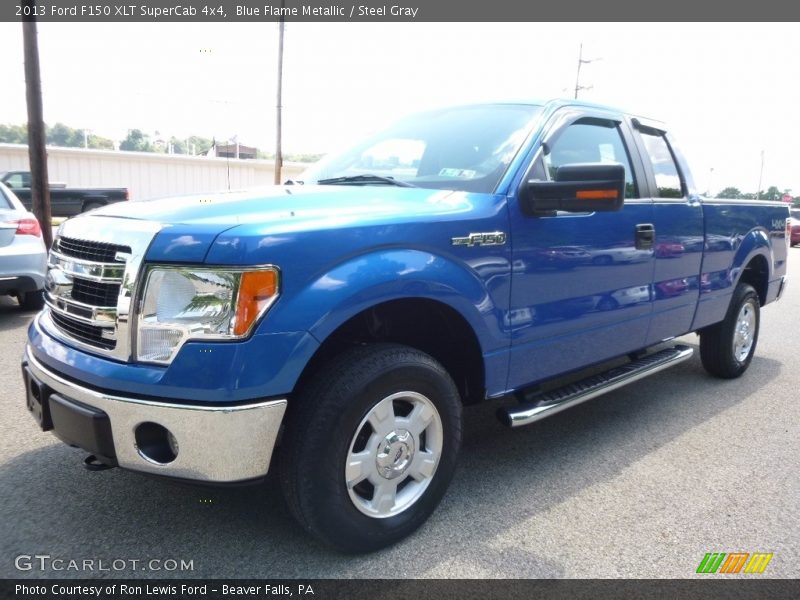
(64, 201)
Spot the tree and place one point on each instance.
(199, 145)
(772, 193)
(100, 143)
(730, 192)
(61, 135)
(178, 146)
(136, 141)
(14, 134)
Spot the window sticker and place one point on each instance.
(458, 173)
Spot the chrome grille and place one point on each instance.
(94, 293)
(92, 276)
(82, 289)
(91, 251)
(83, 332)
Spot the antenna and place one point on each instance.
(582, 61)
(760, 175)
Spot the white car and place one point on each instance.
(23, 256)
(618, 254)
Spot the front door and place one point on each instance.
(581, 288)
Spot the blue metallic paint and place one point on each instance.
(343, 249)
(259, 367)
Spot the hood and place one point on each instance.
(289, 205)
(191, 223)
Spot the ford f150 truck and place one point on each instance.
(342, 321)
(64, 201)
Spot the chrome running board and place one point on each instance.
(550, 403)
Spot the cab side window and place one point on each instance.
(18, 180)
(668, 178)
(591, 141)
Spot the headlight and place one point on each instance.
(183, 304)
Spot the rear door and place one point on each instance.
(679, 235)
(581, 289)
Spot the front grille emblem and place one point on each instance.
(57, 282)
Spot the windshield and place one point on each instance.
(464, 149)
(796, 213)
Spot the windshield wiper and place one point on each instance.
(365, 180)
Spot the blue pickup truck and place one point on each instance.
(535, 254)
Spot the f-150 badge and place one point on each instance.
(495, 238)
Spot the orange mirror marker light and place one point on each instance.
(596, 194)
(256, 290)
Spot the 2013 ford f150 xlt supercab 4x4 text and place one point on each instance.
(344, 320)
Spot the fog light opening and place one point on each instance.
(156, 443)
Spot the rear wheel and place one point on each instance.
(727, 348)
(370, 446)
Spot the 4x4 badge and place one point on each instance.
(495, 238)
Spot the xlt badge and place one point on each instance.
(495, 238)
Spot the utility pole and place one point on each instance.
(278, 153)
(582, 61)
(37, 154)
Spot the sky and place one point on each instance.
(726, 91)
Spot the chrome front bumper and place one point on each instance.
(216, 444)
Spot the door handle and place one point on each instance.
(645, 236)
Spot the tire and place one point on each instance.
(32, 300)
(356, 421)
(727, 348)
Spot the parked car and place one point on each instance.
(355, 314)
(23, 256)
(795, 227)
(559, 257)
(64, 201)
(617, 253)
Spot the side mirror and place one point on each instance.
(589, 187)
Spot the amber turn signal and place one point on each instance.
(256, 290)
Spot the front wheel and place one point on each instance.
(727, 348)
(370, 446)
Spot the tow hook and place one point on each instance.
(92, 463)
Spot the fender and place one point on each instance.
(715, 299)
(355, 285)
(754, 243)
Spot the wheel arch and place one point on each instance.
(425, 324)
(753, 263)
(756, 274)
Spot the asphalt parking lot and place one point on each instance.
(639, 483)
